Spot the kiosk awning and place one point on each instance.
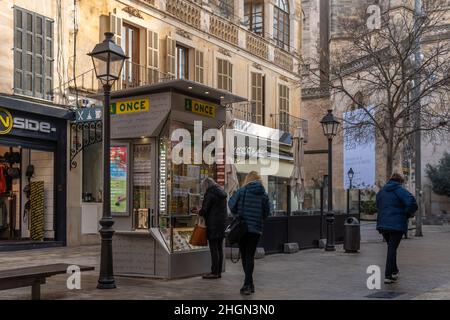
(187, 87)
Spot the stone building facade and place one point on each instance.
(250, 48)
(321, 36)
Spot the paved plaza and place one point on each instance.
(310, 274)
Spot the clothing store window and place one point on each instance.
(254, 16)
(33, 54)
(281, 24)
(27, 194)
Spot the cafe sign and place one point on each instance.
(201, 108)
(133, 106)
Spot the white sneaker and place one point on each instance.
(390, 280)
(395, 276)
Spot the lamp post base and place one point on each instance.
(106, 279)
(330, 232)
(107, 284)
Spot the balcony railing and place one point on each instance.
(245, 111)
(288, 123)
(136, 75)
(133, 75)
(282, 121)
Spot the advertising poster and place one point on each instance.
(359, 151)
(119, 179)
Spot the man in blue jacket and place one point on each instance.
(395, 206)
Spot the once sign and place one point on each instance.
(202, 108)
(133, 106)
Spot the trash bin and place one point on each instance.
(352, 235)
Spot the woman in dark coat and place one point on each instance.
(214, 210)
(395, 206)
(252, 203)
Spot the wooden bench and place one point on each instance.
(33, 276)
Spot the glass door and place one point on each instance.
(141, 185)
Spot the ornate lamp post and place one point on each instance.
(330, 126)
(350, 175)
(108, 59)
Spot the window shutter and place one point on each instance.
(152, 57)
(171, 53)
(115, 26)
(199, 66)
(230, 77)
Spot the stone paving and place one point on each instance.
(310, 274)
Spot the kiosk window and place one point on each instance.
(141, 176)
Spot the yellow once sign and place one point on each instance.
(133, 106)
(202, 108)
(6, 121)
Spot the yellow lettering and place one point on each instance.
(6, 121)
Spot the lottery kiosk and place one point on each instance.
(159, 140)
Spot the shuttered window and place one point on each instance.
(199, 67)
(33, 54)
(283, 105)
(152, 57)
(116, 27)
(224, 75)
(257, 98)
(171, 56)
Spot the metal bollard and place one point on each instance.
(330, 232)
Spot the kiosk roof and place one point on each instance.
(187, 87)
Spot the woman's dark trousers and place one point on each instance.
(247, 246)
(393, 239)
(216, 248)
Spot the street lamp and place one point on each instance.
(330, 126)
(108, 59)
(350, 175)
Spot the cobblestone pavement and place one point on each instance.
(310, 274)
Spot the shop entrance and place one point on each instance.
(27, 195)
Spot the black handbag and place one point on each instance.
(237, 228)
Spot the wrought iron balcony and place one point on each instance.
(282, 121)
(246, 111)
(288, 123)
(133, 75)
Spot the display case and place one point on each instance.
(180, 191)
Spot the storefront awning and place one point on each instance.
(41, 108)
(187, 87)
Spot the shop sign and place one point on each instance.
(133, 106)
(201, 108)
(89, 114)
(9, 122)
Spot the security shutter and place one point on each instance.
(152, 57)
(171, 56)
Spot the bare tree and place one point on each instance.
(377, 70)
